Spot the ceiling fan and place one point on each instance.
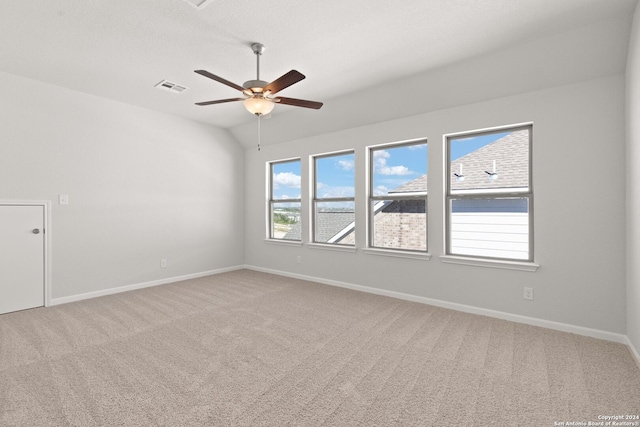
(259, 95)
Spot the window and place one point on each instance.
(333, 199)
(284, 200)
(398, 196)
(489, 197)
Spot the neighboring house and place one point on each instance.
(392, 219)
(512, 164)
(329, 226)
(494, 227)
(470, 220)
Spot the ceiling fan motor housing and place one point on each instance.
(255, 84)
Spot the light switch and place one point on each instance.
(63, 199)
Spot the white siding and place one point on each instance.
(490, 234)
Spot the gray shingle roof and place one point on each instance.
(511, 154)
(415, 186)
(328, 224)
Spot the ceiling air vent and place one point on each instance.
(171, 87)
(198, 4)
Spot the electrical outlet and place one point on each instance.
(163, 263)
(528, 294)
(299, 259)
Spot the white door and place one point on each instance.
(21, 257)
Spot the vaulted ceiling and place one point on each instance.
(366, 60)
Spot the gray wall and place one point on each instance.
(579, 181)
(633, 185)
(142, 186)
(145, 186)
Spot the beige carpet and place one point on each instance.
(251, 349)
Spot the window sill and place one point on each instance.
(331, 247)
(397, 253)
(491, 263)
(283, 242)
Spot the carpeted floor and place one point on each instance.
(251, 349)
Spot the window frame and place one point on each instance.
(271, 200)
(488, 194)
(315, 199)
(413, 196)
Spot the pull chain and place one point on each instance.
(259, 130)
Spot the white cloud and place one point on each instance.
(394, 170)
(380, 190)
(380, 161)
(346, 165)
(286, 179)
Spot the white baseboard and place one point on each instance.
(634, 352)
(111, 291)
(564, 327)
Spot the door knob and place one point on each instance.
(36, 231)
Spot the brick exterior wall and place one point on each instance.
(401, 225)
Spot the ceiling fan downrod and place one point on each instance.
(254, 87)
(257, 49)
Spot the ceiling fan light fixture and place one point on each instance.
(258, 105)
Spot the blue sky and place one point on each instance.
(395, 166)
(335, 176)
(286, 180)
(392, 167)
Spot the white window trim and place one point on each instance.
(491, 263)
(527, 192)
(271, 201)
(332, 247)
(396, 252)
(331, 243)
(283, 242)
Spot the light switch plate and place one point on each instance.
(63, 199)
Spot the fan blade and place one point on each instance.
(220, 80)
(220, 101)
(299, 102)
(284, 81)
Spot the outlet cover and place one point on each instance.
(528, 294)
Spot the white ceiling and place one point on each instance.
(353, 51)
